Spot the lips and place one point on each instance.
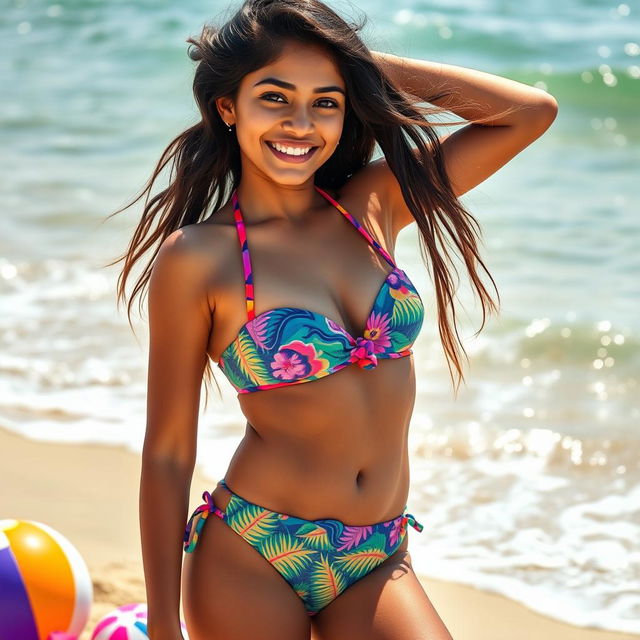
(289, 158)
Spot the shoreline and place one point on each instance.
(76, 489)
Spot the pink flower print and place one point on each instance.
(353, 536)
(288, 365)
(297, 360)
(378, 331)
(398, 527)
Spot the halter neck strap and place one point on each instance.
(358, 226)
(246, 258)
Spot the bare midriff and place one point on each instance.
(332, 448)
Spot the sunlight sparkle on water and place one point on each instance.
(538, 325)
(632, 49)
(623, 9)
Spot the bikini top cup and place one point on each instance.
(288, 345)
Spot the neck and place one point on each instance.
(288, 203)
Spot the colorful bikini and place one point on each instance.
(318, 558)
(288, 345)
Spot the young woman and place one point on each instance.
(273, 257)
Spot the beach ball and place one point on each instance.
(128, 622)
(44, 582)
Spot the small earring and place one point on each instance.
(229, 126)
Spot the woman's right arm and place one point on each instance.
(179, 325)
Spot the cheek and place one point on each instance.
(335, 126)
(329, 128)
(258, 121)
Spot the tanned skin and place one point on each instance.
(333, 448)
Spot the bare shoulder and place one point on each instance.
(377, 183)
(193, 256)
(198, 241)
(365, 196)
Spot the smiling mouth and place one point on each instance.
(290, 157)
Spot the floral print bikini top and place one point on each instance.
(288, 345)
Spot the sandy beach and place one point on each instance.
(90, 494)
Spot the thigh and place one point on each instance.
(387, 604)
(230, 592)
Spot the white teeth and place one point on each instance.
(292, 151)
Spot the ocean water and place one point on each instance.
(527, 482)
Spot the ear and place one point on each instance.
(226, 110)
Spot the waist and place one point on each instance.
(352, 488)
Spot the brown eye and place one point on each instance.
(265, 96)
(332, 103)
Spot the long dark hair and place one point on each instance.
(205, 160)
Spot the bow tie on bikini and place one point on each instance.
(363, 353)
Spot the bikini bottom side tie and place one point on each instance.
(319, 559)
(197, 520)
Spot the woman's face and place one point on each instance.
(298, 102)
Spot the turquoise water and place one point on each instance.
(528, 482)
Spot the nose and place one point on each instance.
(299, 121)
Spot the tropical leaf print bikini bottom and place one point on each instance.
(318, 558)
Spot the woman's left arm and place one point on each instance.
(473, 95)
(475, 151)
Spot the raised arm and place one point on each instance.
(475, 151)
(179, 324)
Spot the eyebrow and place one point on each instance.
(292, 87)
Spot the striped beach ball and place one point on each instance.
(44, 582)
(128, 622)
